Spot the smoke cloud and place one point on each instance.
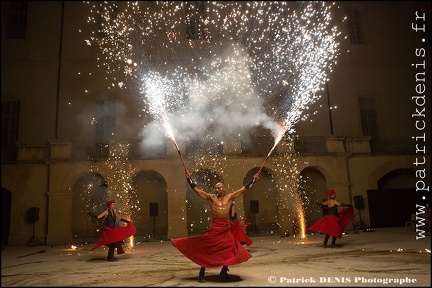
(221, 104)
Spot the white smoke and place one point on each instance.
(222, 104)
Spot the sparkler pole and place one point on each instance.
(265, 160)
(268, 155)
(181, 157)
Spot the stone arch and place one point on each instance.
(329, 167)
(314, 191)
(265, 194)
(89, 193)
(70, 178)
(16, 191)
(149, 188)
(297, 218)
(397, 179)
(11, 184)
(395, 192)
(385, 168)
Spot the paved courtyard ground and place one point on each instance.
(387, 257)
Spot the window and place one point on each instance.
(355, 26)
(368, 115)
(195, 14)
(16, 25)
(9, 129)
(105, 123)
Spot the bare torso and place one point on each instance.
(219, 202)
(220, 206)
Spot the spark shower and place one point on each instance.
(215, 70)
(223, 67)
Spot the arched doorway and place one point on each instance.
(392, 204)
(90, 193)
(151, 204)
(261, 203)
(313, 192)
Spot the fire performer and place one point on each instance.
(217, 246)
(334, 222)
(112, 235)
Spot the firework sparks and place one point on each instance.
(279, 55)
(215, 70)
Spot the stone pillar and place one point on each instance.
(59, 203)
(177, 219)
(59, 218)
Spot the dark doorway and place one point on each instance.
(391, 207)
(5, 215)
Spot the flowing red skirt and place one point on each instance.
(115, 235)
(217, 247)
(334, 225)
(237, 229)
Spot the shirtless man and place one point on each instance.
(220, 203)
(201, 249)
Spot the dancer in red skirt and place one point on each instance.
(217, 246)
(334, 223)
(112, 235)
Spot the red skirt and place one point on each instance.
(115, 235)
(334, 225)
(238, 231)
(217, 247)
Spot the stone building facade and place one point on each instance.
(56, 164)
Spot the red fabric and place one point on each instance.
(115, 235)
(237, 229)
(216, 247)
(334, 225)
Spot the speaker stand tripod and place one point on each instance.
(154, 229)
(34, 241)
(360, 224)
(254, 228)
(354, 227)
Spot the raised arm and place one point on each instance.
(121, 218)
(248, 185)
(341, 204)
(92, 214)
(345, 205)
(194, 187)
